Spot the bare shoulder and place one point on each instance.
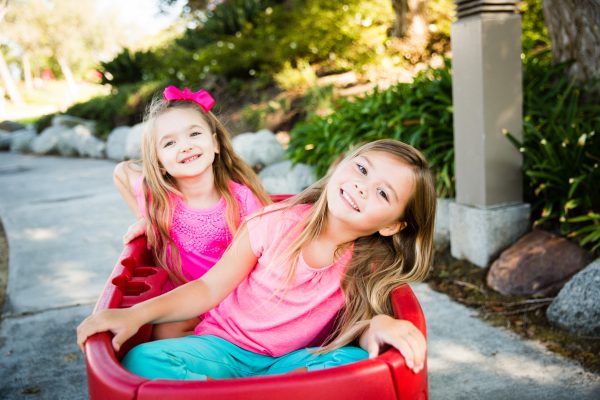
(127, 172)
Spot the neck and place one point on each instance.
(199, 191)
(335, 232)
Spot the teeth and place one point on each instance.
(187, 160)
(349, 200)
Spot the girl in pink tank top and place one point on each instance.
(190, 192)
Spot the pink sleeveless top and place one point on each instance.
(202, 235)
(264, 315)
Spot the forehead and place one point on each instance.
(176, 119)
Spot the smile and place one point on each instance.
(349, 200)
(190, 159)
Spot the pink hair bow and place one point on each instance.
(201, 97)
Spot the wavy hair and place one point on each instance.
(158, 185)
(379, 263)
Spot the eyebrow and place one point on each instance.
(385, 182)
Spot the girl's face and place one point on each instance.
(369, 193)
(185, 144)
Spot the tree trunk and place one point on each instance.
(9, 84)
(401, 23)
(410, 20)
(66, 70)
(27, 72)
(574, 30)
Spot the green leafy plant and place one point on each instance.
(419, 113)
(561, 150)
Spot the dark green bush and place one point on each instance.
(561, 150)
(419, 113)
(130, 68)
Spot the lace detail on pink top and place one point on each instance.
(203, 231)
(202, 235)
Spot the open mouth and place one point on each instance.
(190, 159)
(349, 200)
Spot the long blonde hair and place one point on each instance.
(379, 263)
(157, 185)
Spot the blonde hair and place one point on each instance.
(379, 263)
(157, 185)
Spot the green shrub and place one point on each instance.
(419, 113)
(130, 68)
(561, 150)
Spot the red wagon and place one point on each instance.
(135, 279)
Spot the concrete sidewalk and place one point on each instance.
(64, 222)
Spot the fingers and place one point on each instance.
(372, 347)
(84, 331)
(404, 336)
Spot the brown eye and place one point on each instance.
(361, 169)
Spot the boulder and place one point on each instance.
(258, 149)
(21, 140)
(283, 178)
(87, 144)
(133, 145)
(68, 121)
(577, 306)
(47, 141)
(537, 264)
(11, 126)
(116, 143)
(5, 139)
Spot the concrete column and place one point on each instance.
(488, 214)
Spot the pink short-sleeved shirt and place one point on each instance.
(262, 314)
(202, 235)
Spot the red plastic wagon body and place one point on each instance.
(135, 279)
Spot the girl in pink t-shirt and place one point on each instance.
(191, 191)
(328, 258)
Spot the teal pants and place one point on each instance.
(199, 357)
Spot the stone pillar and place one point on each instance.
(488, 214)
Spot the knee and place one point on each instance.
(143, 359)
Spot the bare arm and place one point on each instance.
(124, 175)
(185, 302)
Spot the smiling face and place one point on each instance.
(369, 193)
(185, 143)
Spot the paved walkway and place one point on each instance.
(64, 221)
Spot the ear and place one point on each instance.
(392, 229)
(216, 143)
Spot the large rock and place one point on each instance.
(537, 264)
(116, 143)
(282, 178)
(87, 144)
(11, 126)
(258, 149)
(21, 140)
(5, 139)
(577, 306)
(46, 142)
(68, 121)
(133, 145)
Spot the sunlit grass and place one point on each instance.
(49, 97)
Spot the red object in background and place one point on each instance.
(47, 75)
(135, 279)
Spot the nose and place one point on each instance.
(360, 189)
